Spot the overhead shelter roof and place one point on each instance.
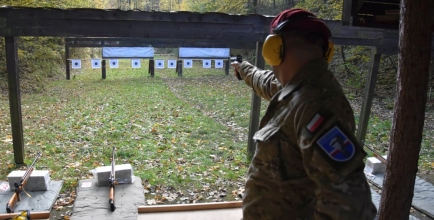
(373, 13)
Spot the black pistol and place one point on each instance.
(239, 59)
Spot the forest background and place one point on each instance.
(42, 58)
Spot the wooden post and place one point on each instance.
(179, 68)
(67, 64)
(103, 68)
(256, 105)
(369, 95)
(346, 12)
(227, 64)
(15, 98)
(151, 69)
(409, 112)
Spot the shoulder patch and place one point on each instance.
(337, 145)
(315, 123)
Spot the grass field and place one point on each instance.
(186, 137)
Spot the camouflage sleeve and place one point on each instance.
(333, 159)
(263, 82)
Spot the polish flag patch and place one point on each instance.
(314, 124)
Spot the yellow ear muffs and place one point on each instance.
(330, 51)
(272, 50)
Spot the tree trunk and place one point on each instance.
(413, 70)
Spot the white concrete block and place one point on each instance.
(375, 166)
(123, 174)
(38, 180)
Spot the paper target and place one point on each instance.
(96, 63)
(218, 63)
(114, 64)
(171, 64)
(188, 63)
(159, 64)
(135, 63)
(76, 64)
(206, 63)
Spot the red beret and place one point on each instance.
(301, 20)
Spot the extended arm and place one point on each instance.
(263, 82)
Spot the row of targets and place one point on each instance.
(160, 64)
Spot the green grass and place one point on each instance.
(178, 133)
(184, 134)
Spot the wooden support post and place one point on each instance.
(151, 69)
(179, 67)
(371, 82)
(256, 105)
(227, 64)
(346, 12)
(67, 64)
(15, 98)
(103, 68)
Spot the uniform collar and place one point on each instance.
(314, 67)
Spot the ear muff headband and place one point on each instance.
(273, 49)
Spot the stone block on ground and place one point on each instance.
(374, 166)
(38, 180)
(123, 174)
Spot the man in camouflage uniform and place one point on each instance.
(307, 163)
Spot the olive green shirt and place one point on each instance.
(307, 163)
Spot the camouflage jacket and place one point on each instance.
(307, 163)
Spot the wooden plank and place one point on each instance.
(111, 15)
(371, 82)
(167, 43)
(123, 28)
(213, 214)
(33, 215)
(375, 8)
(173, 44)
(162, 24)
(189, 207)
(15, 98)
(255, 109)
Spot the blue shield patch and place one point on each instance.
(337, 145)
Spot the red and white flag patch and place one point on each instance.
(314, 124)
